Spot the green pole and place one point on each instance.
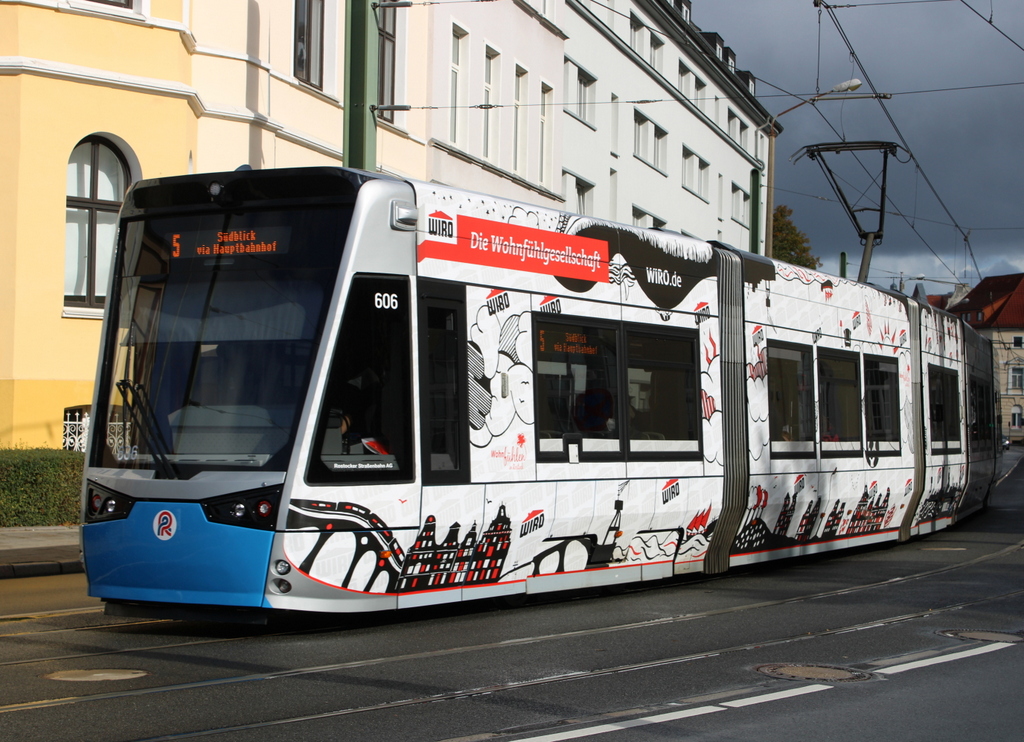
(755, 211)
(361, 41)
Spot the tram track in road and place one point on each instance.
(148, 649)
(520, 641)
(468, 693)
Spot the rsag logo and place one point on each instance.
(164, 525)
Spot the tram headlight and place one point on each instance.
(282, 567)
(283, 586)
(104, 504)
(252, 509)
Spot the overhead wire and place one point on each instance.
(892, 122)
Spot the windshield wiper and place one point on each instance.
(139, 409)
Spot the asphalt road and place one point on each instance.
(860, 634)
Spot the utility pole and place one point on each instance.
(361, 42)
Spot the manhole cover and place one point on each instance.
(983, 635)
(96, 675)
(820, 673)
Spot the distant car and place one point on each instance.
(1006, 443)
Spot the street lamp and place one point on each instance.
(842, 87)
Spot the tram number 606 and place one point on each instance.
(385, 301)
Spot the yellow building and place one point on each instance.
(96, 94)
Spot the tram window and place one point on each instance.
(790, 398)
(881, 401)
(944, 409)
(577, 387)
(364, 431)
(443, 379)
(663, 412)
(980, 412)
(839, 399)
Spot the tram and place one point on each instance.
(328, 390)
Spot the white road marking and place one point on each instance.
(752, 700)
(943, 658)
(628, 724)
(767, 697)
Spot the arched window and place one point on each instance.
(97, 178)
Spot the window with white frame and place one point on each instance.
(491, 77)
(636, 34)
(519, 103)
(649, 141)
(737, 129)
(386, 61)
(684, 80)
(614, 111)
(1018, 341)
(696, 174)
(700, 94)
(654, 51)
(1015, 379)
(579, 194)
(740, 205)
(580, 89)
(1017, 417)
(458, 42)
(117, 3)
(648, 221)
(309, 42)
(546, 94)
(97, 177)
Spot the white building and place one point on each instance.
(623, 111)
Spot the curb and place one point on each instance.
(40, 569)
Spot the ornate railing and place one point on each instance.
(76, 430)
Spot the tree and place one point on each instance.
(788, 242)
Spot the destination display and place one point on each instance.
(215, 243)
(571, 342)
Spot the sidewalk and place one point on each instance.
(34, 552)
(55, 550)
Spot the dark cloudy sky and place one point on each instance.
(968, 142)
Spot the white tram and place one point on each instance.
(327, 390)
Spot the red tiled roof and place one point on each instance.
(999, 298)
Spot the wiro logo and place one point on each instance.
(440, 224)
(497, 300)
(165, 525)
(551, 305)
(533, 521)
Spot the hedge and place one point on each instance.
(39, 486)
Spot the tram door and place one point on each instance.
(443, 383)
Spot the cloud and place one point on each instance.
(967, 141)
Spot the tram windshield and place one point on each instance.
(216, 326)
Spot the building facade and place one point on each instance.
(625, 111)
(96, 94)
(995, 308)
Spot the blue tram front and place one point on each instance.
(213, 344)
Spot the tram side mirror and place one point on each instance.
(404, 216)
